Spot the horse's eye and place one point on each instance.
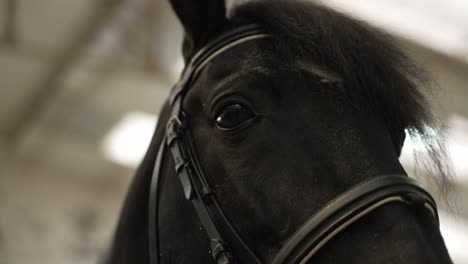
(233, 115)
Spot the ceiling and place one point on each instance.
(439, 25)
(70, 70)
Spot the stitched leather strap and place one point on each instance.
(226, 245)
(348, 208)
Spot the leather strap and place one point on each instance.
(348, 208)
(153, 205)
(226, 245)
(211, 50)
(196, 188)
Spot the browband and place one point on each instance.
(215, 47)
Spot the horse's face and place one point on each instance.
(278, 138)
(274, 139)
(279, 135)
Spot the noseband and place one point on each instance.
(227, 246)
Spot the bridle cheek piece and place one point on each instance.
(227, 246)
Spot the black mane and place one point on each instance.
(377, 75)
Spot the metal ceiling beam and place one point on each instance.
(9, 29)
(50, 86)
(149, 24)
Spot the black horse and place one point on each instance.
(287, 113)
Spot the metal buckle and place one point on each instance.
(219, 252)
(173, 129)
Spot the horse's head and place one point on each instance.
(285, 123)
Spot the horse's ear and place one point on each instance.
(201, 20)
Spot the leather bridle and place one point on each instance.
(227, 246)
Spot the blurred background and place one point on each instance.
(82, 81)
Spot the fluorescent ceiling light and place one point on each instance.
(438, 25)
(127, 142)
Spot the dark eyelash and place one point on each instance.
(227, 100)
